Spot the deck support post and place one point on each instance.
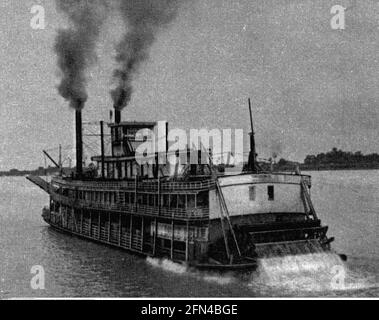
(142, 232)
(187, 242)
(54, 208)
(81, 221)
(99, 225)
(90, 223)
(135, 193)
(155, 236)
(131, 231)
(172, 239)
(119, 230)
(66, 217)
(109, 226)
(74, 218)
(159, 197)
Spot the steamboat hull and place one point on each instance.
(251, 264)
(245, 263)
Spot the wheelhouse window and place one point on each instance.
(252, 193)
(270, 193)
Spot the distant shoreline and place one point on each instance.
(287, 168)
(303, 167)
(338, 169)
(22, 173)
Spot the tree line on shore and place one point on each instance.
(332, 160)
(335, 159)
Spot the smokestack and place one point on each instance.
(79, 141)
(117, 116)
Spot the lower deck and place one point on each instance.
(183, 241)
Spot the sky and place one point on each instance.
(312, 88)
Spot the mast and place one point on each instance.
(252, 166)
(60, 159)
(102, 149)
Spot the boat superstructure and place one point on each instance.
(187, 213)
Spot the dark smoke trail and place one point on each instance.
(76, 46)
(143, 20)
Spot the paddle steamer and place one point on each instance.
(194, 215)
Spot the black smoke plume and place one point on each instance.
(143, 20)
(76, 46)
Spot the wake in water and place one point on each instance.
(308, 273)
(321, 274)
(170, 266)
(167, 265)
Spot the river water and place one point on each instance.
(347, 201)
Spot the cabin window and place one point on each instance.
(136, 170)
(128, 173)
(124, 170)
(151, 200)
(139, 198)
(180, 245)
(142, 171)
(270, 193)
(191, 201)
(110, 170)
(165, 200)
(119, 170)
(145, 199)
(252, 193)
(126, 198)
(202, 199)
(174, 201)
(132, 201)
(181, 201)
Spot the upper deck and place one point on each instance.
(154, 185)
(171, 199)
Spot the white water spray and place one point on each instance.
(308, 273)
(170, 266)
